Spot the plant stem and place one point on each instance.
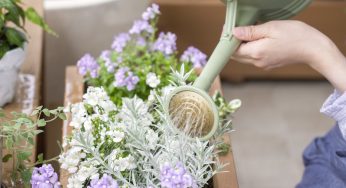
(1, 161)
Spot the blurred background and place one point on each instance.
(280, 113)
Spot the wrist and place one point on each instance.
(332, 65)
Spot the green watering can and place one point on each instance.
(190, 108)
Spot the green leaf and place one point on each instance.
(15, 37)
(7, 4)
(55, 112)
(2, 22)
(26, 175)
(31, 140)
(36, 132)
(40, 158)
(62, 116)
(4, 48)
(6, 158)
(23, 155)
(46, 112)
(39, 107)
(35, 112)
(41, 123)
(9, 143)
(35, 18)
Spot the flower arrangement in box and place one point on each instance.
(13, 17)
(136, 145)
(139, 60)
(122, 135)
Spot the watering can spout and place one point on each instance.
(225, 48)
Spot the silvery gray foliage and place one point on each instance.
(133, 143)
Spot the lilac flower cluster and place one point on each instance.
(105, 182)
(151, 12)
(44, 177)
(120, 42)
(88, 64)
(195, 56)
(176, 177)
(110, 65)
(124, 77)
(141, 25)
(166, 43)
(141, 41)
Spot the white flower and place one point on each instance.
(122, 163)
(151, 97)
(86, 170)
(116, 135)
(95, 96)
(152, 80)
(78, 115)
(74, 182)
(88, 124)
(71, 159)
(235, 104)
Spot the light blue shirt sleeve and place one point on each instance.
(335, 107)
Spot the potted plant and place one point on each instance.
(13, 39)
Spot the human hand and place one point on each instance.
(279, 43)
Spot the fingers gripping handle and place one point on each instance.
(227, 44)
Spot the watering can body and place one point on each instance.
(274, 9)
(248, 13)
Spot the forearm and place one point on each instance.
(332, 65)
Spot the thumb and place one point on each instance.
(250, 33)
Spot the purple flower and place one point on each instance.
(176, 177)
(105, 182)
(141, 25)
(166, 43)
(120, 42)
(195, 56)
(44, 177)
(124, 77)
(106, 57)
(151, 12)
(141, 41)
(131, 81)
(87, 64)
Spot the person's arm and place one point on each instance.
(279, 43)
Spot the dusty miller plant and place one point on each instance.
(136, 145)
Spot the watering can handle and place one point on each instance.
(227, 45)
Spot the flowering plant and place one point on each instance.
(136, 145)
(138, 60)
(17, 136)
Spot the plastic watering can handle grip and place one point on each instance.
(227, 45)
